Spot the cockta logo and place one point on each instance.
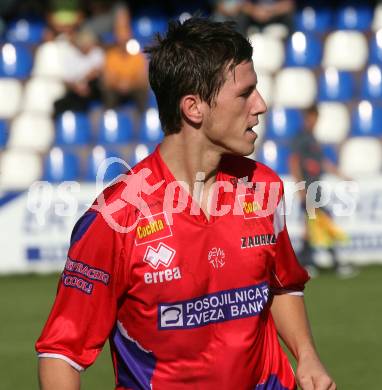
(152, 228)
(251, 206)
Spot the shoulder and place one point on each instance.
(124, 196)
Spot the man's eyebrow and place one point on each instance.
(248, 88)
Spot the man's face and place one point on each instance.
(235, 111)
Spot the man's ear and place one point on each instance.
(191, 108)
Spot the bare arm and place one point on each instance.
(293, 327)
(56, 374)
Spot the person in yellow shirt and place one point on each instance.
(125, 72)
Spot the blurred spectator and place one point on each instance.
(5, 9)
(225, 10)
(104, 17)
(63, 18)
(262, 13)
(83, 64)
(308, 163)
(125, 72)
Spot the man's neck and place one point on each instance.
(187, 158)
(192, 161)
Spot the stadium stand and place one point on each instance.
(316, 20)
(371, 83)
(268, 52)
(73, 128)
(333, 123)
(335, 85)
(28, 31)
(337, 53)
(366, 120)
(140, 151)
(265, 84)
(31, 132)
(352, 161)
(377, 18)
(303, 49)
(287, 95)
(313, 65)
(151, 130)
(275, 155)
(95, 160)
(375, 48)
(40, 94)
(350, 17)
(11, 92)
(13, 178)
(60, 165)
(15, 61)
(115, 128)
(283, 124)
(3, 133)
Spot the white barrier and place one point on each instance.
(36, 227)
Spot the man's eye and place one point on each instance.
(246, 94)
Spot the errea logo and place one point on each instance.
(162, 255)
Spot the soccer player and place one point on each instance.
(185, 264)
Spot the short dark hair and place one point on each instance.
(192, 58)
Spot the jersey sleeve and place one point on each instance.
(287, 273)
(85, 308)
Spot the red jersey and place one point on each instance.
(184, 300)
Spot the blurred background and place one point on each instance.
(74, 90)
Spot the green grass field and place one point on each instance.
(346, 317)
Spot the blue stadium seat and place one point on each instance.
(15, 61)
(354, 17)
(283, 124)
(25, 30)
(96, 157)
(375, 49)
(371, 83)
(140, 152)
(334, 85)
(366, 120)
(60, 166)
(3, 133)
(313, 19)
(303, 50)
(330, 152)
(115, 128)
(275, 156)
(146, 26)
(151, 100)
(150, 129)
(73, 128)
